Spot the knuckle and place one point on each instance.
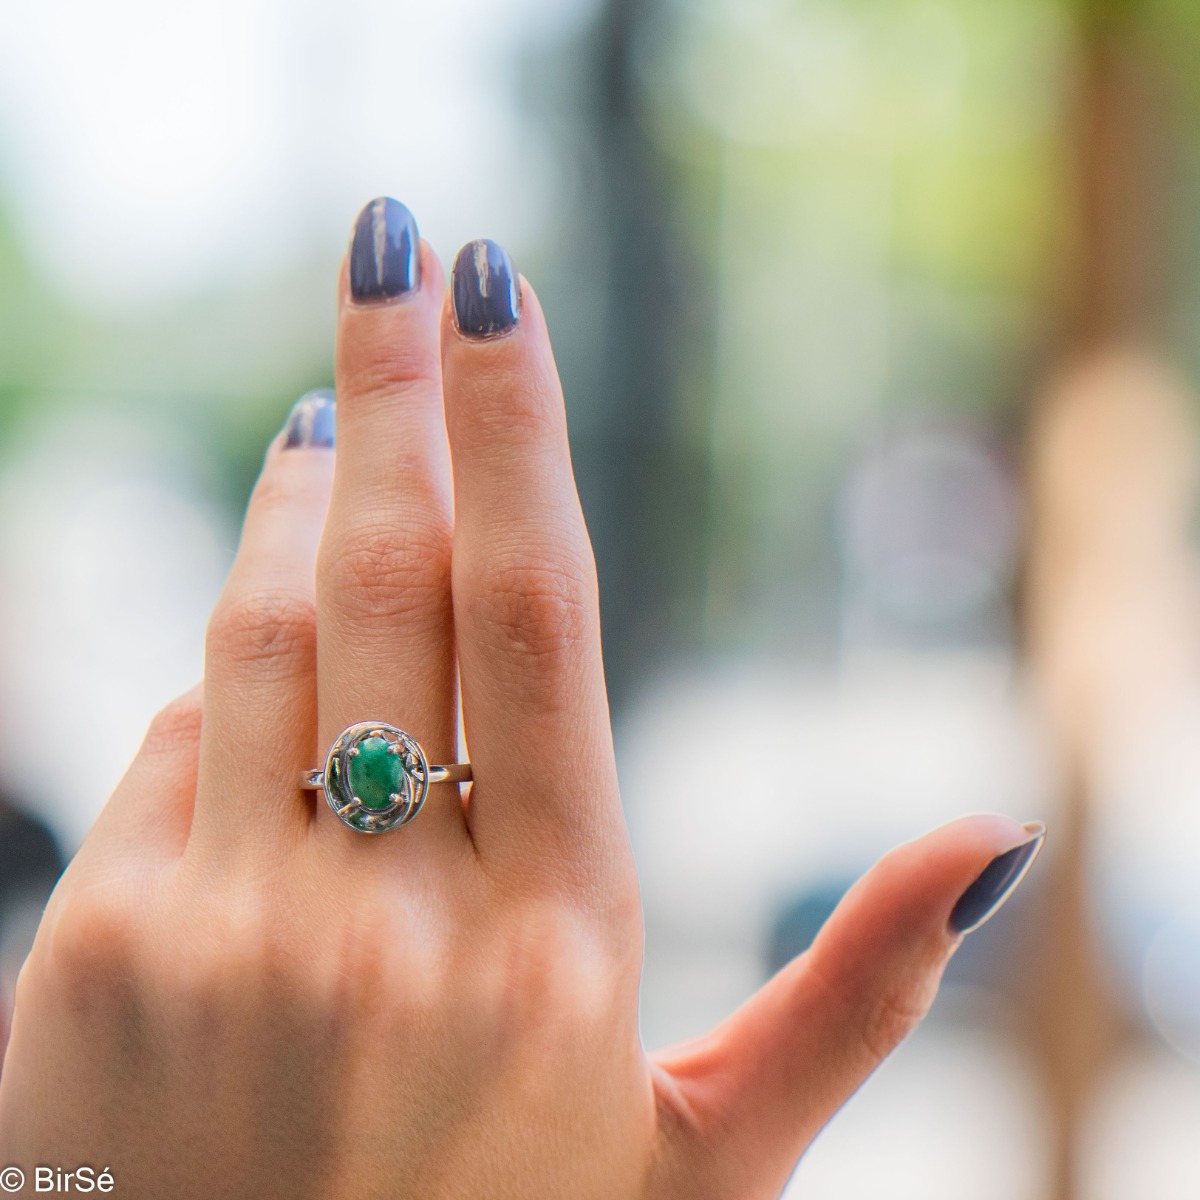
(501, 408)
(94, 939)
(362, 979)
(388, 369)
(896, 1013)
(244, 945)
(262, 626)
(25, 987)
(535, 610)
(175, 727)
(231, 955)
(380, 573)
(551, 978)
(522, 419)
(275, 492)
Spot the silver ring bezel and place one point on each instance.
(335, 780)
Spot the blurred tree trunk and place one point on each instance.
(644, 486)
(1109, 484)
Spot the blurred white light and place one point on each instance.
(155, 149)
(113, 560)
(1145, 847)
(930, 527)
(1140, 1139)
(135, 570)
(931, 1131)
(1171, 983)
(775, 781)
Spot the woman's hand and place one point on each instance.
(234, 995)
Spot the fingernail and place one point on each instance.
(485, 289)
(997, 882)
(311, 421)
(384, 251)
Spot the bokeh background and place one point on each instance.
(879, 322)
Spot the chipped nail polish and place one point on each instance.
(384, 252)
(996, 882)
(311, 421)
(485, 290)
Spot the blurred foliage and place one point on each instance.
(800, 226)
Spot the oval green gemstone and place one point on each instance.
(374, 774)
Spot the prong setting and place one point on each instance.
(412, 770)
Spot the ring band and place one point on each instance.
(314, 780)
(376, 776)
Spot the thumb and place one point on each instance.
(739, 1106)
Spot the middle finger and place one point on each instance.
(385, 646)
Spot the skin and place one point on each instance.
(232, 995)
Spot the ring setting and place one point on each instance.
(376, 777)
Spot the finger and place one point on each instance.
(150, 809)
(544, 800)
(744, 1103)
(260, 657)
(386, 646)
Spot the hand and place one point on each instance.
(233, 995)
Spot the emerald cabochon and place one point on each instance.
(375, 774)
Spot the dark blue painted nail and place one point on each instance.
(485, 289)
(311, 421)
(996, 883)
(384, 252)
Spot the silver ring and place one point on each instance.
(376, 776)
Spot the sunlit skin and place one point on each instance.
(233, 995)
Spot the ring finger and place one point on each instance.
(385, 646)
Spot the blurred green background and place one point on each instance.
(879, 326)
